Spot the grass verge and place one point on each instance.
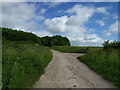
(105, 62)
(23, 63)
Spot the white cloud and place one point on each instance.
(56, 25)
(87, 40)
(22, 16)
(19, 15)
(100, 22)
(80, 38)
(39, 17)
(60, 11)
(42, 33)
(112, 29)
(90, 37)
(79, 9)
(106, 33)
(74, 27)
(52, 4)
(102, 10)
(73, 23)
(115, 17)
(42, 11)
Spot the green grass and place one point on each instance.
(70, 49)
(104, 62)
(23, 63)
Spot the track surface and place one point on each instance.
(65, 71)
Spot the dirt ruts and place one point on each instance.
(65, 71)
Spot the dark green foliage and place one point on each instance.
(55, 41)
(104, 63)
(14, 35)
(23, 63)
(115, 44)
(46, 41)
(59, 41)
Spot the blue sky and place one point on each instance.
(84, 23)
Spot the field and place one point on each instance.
(71, 49)
(103, 61)
(23, 63)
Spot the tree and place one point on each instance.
(114, 44)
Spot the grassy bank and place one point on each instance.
(71, 49)
(23, 63)
(105, 62)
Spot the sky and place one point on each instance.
(83, 23)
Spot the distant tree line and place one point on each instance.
(114, 44)
(15, 35)
(55, 41)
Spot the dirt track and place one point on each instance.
(65, 71)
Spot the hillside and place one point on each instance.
(15, 35)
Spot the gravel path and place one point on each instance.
(65, 71)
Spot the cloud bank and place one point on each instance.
(72, 24)
(112, 29)
(74, 27)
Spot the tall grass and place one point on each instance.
(105, 62)
(23, 63)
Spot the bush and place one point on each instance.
(115, 44)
